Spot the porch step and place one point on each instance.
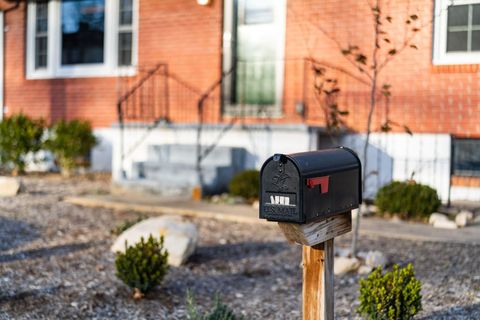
(187, 154)
(172, 169)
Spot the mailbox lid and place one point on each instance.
(324, 162)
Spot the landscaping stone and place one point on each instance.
(180, 237)
(364, 270)
(372, 209)
(464, 218)
(375, 258)
(343, 265)
(355, 213)
(445, 224)
(437, 217)
(9, 186)
(256, 204)
(342, 252)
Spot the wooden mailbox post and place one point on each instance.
(311, 196)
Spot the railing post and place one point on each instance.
(121, 142)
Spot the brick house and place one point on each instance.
(147, 72)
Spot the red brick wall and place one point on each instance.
(92, 98)
(181, 33)
(187, 37)
(427, 98)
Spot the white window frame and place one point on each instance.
(440, 54)
(54, 69)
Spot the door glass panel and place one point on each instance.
(256, 62)
(83, 31)
(258, 11)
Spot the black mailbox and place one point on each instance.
(307, 186)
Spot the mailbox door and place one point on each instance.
(327, 195)
(280, 195)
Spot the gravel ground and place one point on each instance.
(55, 263)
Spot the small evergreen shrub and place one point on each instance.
(219, 311)
(394, 295)
(142, 266)
(246, 184)
(70, 142)
(409, 199)
(19, 135)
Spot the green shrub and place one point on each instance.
(219, 311)
(246, 184)
(70, 142)
(409, 199)
(19, 135)
(393, 296)
(142, 266)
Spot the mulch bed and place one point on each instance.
(55, 262)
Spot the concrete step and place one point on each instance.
(187, 154)
(184, 176)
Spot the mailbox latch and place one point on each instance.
(319, 181)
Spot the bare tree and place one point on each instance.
(370, 65)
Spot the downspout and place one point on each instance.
(2, 56)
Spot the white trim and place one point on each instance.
(440, 54)
(108, 68)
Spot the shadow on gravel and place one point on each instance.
(47, 252)
(460, 312)
(15, 232)
(22, 295)
(236, 251)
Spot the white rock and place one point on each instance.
(445, 224)
(375, 259)
(355, 214)
(256, 205)
(180, 237)
(362, 255)
(342, 252)
(364, 270)
(343, 265)
(463, 219)
(216, 199)
(9, 186)
(437, 217)
(372, 209)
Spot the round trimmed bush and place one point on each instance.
(245, 184)
(70, 142)
(409, 199)
(394, 295)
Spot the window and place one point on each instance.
(83, 31)
(125, 34)
(80, 38)
(41, 35)
(466, 157)
(457, 32)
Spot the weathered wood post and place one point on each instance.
(310, 195)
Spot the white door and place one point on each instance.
(256, 52)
